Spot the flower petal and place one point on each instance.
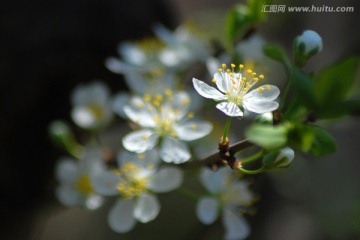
(180, 103)
(140, 141)
(192, 130)
(174, 151)
(140, 114)
(236, 226)
(207, 91)
(166, 179)
(207, 209)
(121, 218)
(68, 195)
(66, 170)
(147, 162)
(119, 101)
(221, 82)
(214, 181)
(84, 116)
(94, 201)
(94, 93)
(147, 208)
(117, 66)
(132, 54)
(260, 106)
(105, 183)
(269, 92)
(230, 109)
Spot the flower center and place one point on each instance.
(132, 183)
(164, 112)
(238, 83)
(96, 110)
(83, 184)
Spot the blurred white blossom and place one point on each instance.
(164, 117)
(136, 181)
(91, 105)
(74, 176)
(228, 197)
(183, 47)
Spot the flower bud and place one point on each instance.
(311, 40)
(285, 157)
(307, 45)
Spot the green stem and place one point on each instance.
(226, 129)
(252, 158)
(251, 172)
(285, 93)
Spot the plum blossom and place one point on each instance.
(234, 92)
(182, 48)
(75, 187)
(91, 105)
(228, 197)
(164, 119)
(136, 182)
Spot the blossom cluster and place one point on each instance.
(166, 121)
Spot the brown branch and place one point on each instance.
(212, 159)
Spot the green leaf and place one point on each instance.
(276, 53)
(303, 87)
(311, 139)
(241, 18)
(267, 136)
(323, 143)
(236, 23)
(334, 83)
(255, 9)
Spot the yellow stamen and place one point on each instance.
(223, 65)
(268, 87)
(186, 101)
(193, 126)
(214, 80)
(233, 65)
(147, 97)
(241, 66)
(168, 92)
(261, 76)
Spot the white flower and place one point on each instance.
(166, 118)
(142, 67)
(229, 195)
(136, 182)
(142, 56)
(91, 105)
(234, 93)
(312, 41)
(75, 187)
(183, 47)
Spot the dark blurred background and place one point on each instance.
(48, 47)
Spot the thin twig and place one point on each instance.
(216, 156)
